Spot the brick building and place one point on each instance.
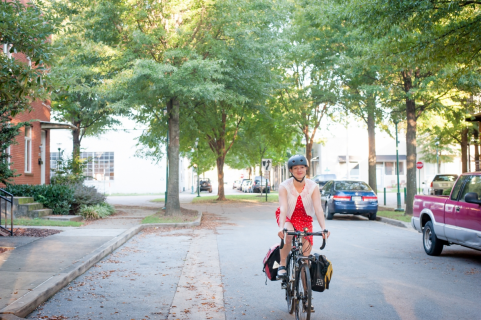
(30, 155)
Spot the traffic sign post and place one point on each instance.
(266, 166)
(419, 166)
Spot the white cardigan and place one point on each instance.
(306, 196)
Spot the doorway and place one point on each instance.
(43, 143)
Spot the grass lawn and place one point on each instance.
(395, 215)
(157, 200)
(134, 194)
(156, 218)
(44, 222)
(248, 197)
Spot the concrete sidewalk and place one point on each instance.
(36, 262)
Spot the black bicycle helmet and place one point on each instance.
(297, 160)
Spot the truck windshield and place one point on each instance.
(446, 178)
(457, 187)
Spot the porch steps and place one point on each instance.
(27, 207)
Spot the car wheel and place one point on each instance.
(372, 216)
(432, 245)
(268, 190)
(327, 214)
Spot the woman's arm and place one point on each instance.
(316, 201)
(283, 209)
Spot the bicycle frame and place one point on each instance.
(296, 260)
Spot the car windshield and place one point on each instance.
(322, 183)
(351, 186)
(258, 181)
(205, 180)
(446, 178)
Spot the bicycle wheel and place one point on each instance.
(303, 290)
(290, 284)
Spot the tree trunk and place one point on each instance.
(220, 177)
(371, 132)
(309, 157)
(464, 150)
(76, 140)
(173, 204)
(250, 172)
(476, 150)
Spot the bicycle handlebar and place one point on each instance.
(304, 234)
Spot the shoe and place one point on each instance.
(283, 275)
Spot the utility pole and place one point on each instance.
(437, 157)
(399, 208)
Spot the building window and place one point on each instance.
(100, 165)
(28, 149)
(390, 168)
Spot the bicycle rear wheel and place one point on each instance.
(290, 299)
(304, 293)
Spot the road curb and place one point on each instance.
(393, 222)
(31, 300)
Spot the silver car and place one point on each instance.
(440, 183)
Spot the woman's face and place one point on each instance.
(299, 172)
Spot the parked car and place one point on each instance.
(205, 185)
(247, 188)
(453, 219)
(322, 179)
(348, 197)
(244, 184)
(239, 187)
(236, 184)
(437, 184)
(261, 184)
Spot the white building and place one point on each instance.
(114, 167)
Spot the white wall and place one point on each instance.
(132, 174)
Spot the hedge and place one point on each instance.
(59, 198)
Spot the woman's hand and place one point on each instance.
(281, 233)
(326, 235)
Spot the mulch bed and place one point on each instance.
(34, 232)
(2, 250)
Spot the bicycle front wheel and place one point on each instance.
(304, 293)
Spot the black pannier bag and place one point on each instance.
(321, 273)
(271, 262)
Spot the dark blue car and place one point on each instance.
(348, 197)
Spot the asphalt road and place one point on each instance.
(380, 272)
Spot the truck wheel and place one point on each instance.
(432, 245)
(328, 214)
(372, 216)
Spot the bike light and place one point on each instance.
(341, 198)
(371, 198)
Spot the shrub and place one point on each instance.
(59, 198)
(69, 170)
(86, 196)
(97, 211)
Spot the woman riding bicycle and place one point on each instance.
(299, 200)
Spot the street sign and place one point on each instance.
(419, 165)
(266, 164)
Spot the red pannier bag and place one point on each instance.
(271, 262)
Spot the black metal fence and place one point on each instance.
(6, 203)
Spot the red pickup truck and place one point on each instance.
(453, 219)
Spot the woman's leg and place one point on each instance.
(287, 244)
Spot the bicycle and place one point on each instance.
(297, 281)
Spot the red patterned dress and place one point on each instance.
(299, 219)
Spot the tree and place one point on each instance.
(309, 91)
(24, 30)
(80, 72)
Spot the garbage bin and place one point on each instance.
(438, 192)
